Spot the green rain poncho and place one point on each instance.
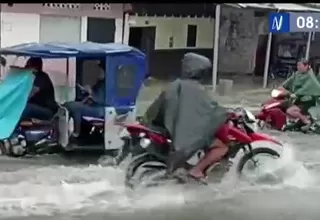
(303, 84)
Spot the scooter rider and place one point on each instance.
(191, 118)
(304, 87)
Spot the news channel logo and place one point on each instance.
(279, 22)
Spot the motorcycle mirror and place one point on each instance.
(251, 118)
(275, 93)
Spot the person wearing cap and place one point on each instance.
(303, 86)
(41, 103)
(91, 106)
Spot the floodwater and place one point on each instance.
(43, 188)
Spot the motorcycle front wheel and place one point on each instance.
(251, 158)
(145, 170)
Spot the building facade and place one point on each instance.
(50, 22)
(178, 30)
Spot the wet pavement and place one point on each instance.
(51, 187)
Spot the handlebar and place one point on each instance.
(81, 88)
(292, 100)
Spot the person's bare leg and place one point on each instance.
(213, 156)
(295, 112)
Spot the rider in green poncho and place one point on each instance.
(305, 87)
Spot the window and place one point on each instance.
(192, 35)
(91, 72)
(125, 80)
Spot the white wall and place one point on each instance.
(118, 31)
(19, 28)
(167, 27)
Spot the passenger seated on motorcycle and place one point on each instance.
(191, 118)
(41, 103)
(91, 106)
(305, 87)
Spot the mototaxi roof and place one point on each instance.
(119, 60)
(67, 50)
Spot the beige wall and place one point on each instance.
(177, 28)
(239, 58)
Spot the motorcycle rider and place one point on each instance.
(191, 118)
(304, 87)
(41, 103)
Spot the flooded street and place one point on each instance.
(42, 188)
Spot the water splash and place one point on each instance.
(85, 189)
(44, 191)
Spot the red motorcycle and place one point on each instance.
(273, 111)
(273, 114)
(153, 146)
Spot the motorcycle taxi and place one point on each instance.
(125, 69)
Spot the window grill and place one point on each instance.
(59, 6)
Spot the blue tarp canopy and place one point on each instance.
(65, 50)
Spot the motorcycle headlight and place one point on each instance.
(275, 93)
(144, 142)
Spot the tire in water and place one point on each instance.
(255, 152)
(134, 166)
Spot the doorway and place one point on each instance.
(261, 54)
(143, 38)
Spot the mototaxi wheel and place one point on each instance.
(145, 170)
(249, 156)
(118, 155)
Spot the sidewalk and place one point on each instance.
(249, 98)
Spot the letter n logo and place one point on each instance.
(279, 22)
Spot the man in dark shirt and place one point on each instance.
(41, 104)
(91, 106)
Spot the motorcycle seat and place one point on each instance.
(35, 122)
(94, 121)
